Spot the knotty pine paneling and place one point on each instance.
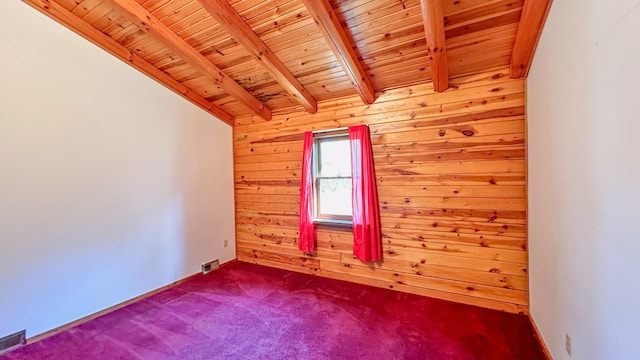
(451, 180)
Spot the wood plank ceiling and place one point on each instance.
(240, 57)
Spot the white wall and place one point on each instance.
(584, 179)
(110, 185)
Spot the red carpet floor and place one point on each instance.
(245, 311)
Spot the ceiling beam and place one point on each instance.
(227, 16)
(146, 21)
(534, 14)
(336, 37)
(80, 27)
(433, 19)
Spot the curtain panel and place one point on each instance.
(307, 236)
(367, 238)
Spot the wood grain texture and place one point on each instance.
(433, 18)
(227, 16)
(450, 169)
(330, 26)
(386, 38)
(148, 22)
(534, 14)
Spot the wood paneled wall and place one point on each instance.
(451, 180)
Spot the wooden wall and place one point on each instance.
(451, 181)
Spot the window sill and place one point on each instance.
(344, 225)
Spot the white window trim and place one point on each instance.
(332, 220)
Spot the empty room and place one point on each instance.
(319, 179)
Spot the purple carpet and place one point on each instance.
(246, 311)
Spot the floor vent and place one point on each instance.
(13, 340)
(210, 266)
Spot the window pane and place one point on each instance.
(334, 156)
(334, 197)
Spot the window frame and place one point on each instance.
(318, 218)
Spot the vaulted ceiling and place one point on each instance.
(240, 57)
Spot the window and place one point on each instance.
(332, 178)
(330, 183)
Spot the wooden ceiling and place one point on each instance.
(240, 57)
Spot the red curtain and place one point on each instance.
(307, 238)
(367, 239)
